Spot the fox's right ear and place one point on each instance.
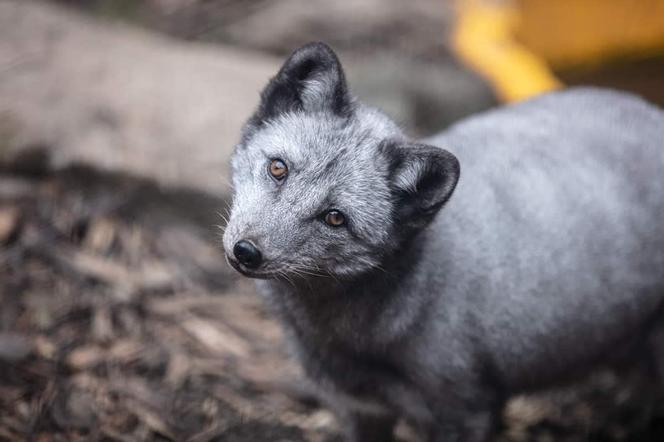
(311, 79)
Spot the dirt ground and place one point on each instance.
(121, 321)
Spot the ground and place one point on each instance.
(121, 321)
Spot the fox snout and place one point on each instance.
(254, 242)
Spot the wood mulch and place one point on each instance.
(120, 320)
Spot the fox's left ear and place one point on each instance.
(423, 179)
(311, 79)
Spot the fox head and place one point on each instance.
(323, 185)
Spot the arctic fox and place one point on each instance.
(546, 260)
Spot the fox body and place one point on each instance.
(546, 259)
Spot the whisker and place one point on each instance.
(227, 181)
(223, 217)
(308, 270)
(303, 271)
(285, 276)
(373, 265)
(326, 273)
(219, 233)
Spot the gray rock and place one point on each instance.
(78, 90)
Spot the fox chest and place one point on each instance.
(359, 380)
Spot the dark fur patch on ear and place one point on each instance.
(422, 179)
(311, 78)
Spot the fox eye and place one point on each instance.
(278, 169)
(335, 218)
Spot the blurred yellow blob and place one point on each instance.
(515, 44)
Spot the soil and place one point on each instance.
(121, 321)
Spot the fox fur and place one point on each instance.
(519, 248)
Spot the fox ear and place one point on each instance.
(423, 179)
(311, 79)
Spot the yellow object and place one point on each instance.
(484, 38)
(515, 44)
(582, 32)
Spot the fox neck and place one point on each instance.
(362, 312)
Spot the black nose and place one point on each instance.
(247, 254)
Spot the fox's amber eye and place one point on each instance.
(335, 218)
(278, 169)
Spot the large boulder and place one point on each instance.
(74, 89)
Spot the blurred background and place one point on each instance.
(119, 319)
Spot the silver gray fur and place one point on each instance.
(547, 261)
